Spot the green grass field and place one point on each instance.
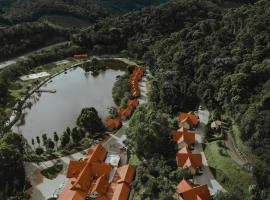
(232, 177)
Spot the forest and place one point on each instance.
(23, 38)
(17, 11)
(200, 52)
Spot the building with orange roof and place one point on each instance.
(133, 103)
(121, 192)
(126, 174)
(113, 124)
(92, 178)
(126, 113)
(84, 173)
(97, 154)
(183, 138)
(186, 191)
(135, 77)
(186, 159)
(100, 188)
(80, 56)
(188, 120)
(122, 189)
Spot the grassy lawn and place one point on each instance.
(53, 171)
(19, 87)
(232, 177)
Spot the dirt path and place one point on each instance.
(233, 152)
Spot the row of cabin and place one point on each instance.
(90, 178)
(185, 139)
(134, 79)
(126, 113)
(185, 159)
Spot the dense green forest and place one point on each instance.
(17, 11)
(22, 38)
(200, 52)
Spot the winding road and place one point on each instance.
(25, 56)
(206, 177)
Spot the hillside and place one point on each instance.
(19, 39)
(17, 11)
(200, 52)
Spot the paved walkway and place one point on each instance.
(44, 188)
(207, 176)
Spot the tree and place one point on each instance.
(90, 121)
(68, 131)
(33, 142)
(38, 140)
(44, 139)
(50, 144)
(75, 135)
(55, 138)
(39, 150)
(11, 169)
(65, 139)
(148, 134)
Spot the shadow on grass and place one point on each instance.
(203, 146)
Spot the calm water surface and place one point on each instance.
(56, 111)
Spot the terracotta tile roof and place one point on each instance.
(121, 192)
(101, 186)
(193, 193)
(75, 167)
(113, 124)
(84, 180)
(126, 113)
(85, 172)
(102, 198)
(135, 77)
(99, 169)
(69, 194)
(183, 135)
(190, 117)
(186, 158)
(183, 186)
(197, 193)
(133, 103)
(126, 174)
(98, 154)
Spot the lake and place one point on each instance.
(75, 90)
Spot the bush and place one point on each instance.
(39, 151)
(120, 88)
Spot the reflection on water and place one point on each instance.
(50, 112)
